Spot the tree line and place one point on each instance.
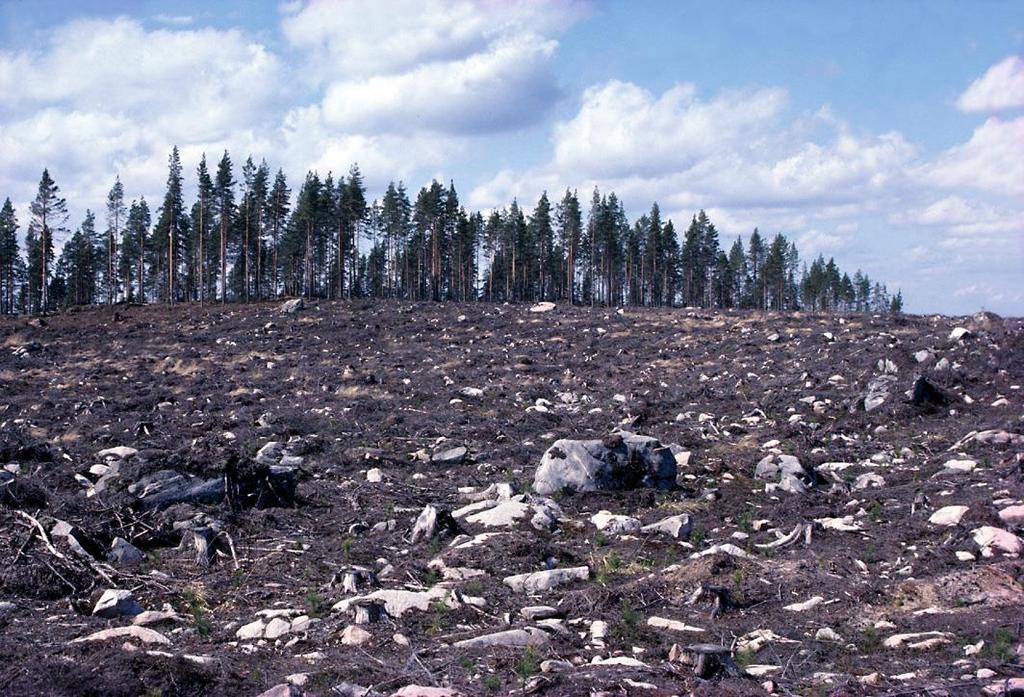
(247, 239)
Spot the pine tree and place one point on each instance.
(755, 261)
(570, 228)
(9, 258)
(202, 214)
(278, 208)
(171, 232)
(49, 215)
(224, 207)
(115, 217)
(354, 213)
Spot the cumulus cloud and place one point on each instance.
(100, 97)
(508, 85)
(1001, 87)
(992, 160)
(739, 149)
(462, 67)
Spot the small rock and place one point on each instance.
(677, 526)
(451, 456)
(530, 636)
(143, 634)
(277, 628)
(673, 625)
(613, 524)
(542, 307)
(959, 333)
(282, 690)
(992, 539)
(121, 452)
(539, 581)
(115, 603)
(918, 640)
(827, 634)
(124, 554)
(1012, 515)
(290, 307)
(355, 635)
(948, 515)
(540, 612)
(253, 630)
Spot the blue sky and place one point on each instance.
(890, 135)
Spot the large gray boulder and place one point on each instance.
(622, 460)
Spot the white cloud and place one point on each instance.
(449, 67)
(992, 160)
(739, 150)
(622, 129)
(1001, 87)
(507, 85)
(207, 76)
(361, 38)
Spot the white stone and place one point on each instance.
(121, 452)
(505, 514)
(613, 524)
(397, 602)
(530, 636)
(809, 604)
(253, 630)
(539, 581)
(992, 539)
(143, 634)
(1012, 515)
(673, 625)
(948, 515)
(960, 465)
(354, 635)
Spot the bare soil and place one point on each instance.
(369, 384)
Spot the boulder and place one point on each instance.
(290, 307)
(948, 515)
(143, 634)
(878, 391)
(123, 553)
(115, 603)
(539, 581)
(451, 456)
(677, 526)
(515, 638)
(166, 487)
(1012, 515)
(613, 524)
(621, 461)
(787, 471)
(992, 539)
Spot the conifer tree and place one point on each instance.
(9, 258)
(115, 219)
(224, 207)
(49, 215)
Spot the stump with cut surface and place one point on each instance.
(709, 659)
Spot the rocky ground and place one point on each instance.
(368, 499)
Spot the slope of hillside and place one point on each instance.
(339, 501)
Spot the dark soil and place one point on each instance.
(371, 384)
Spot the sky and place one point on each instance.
(889, 135)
